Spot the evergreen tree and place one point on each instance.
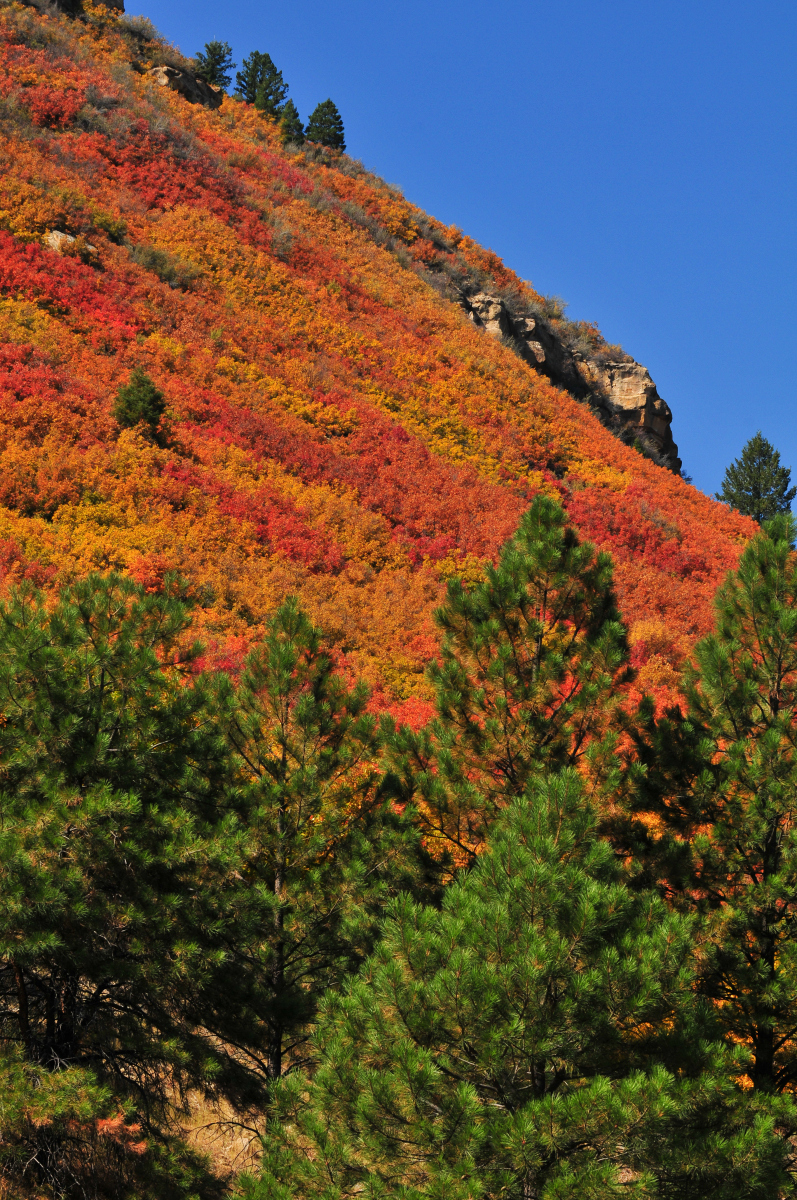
(756, 484)
(139, 402)
(530, 664)
(291, 127)
(725, 789)
(325, 851)
(325, 126)
(118, 857)
(260, 83)
(214, 64)
(537, 1038)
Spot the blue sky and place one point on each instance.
(635, 157)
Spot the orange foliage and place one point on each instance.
(336, 428)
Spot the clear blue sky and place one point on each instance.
(635, 157)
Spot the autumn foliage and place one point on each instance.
(337, 429)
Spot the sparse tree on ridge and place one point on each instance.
(291, 127)
(325, 126)
(214, 64)
(756, 484)
(260, 83)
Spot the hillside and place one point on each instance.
(338, 424)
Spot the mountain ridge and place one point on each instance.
(338, 423)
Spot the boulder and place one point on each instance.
(61, 242)
(194, 90)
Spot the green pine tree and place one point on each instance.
(756, 484)
(537, 1038)
(119, 858)
(291, 127)
(325, 850)
(724, 790)
(260, 83)
(214, 64)
(530, 664)
(139, 402)
(325, 126)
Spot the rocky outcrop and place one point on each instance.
(621, 393)
(635, 401)
(533, 339)
(194, 90)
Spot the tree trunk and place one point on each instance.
(278, 960)
(22, 1007)
(764, 1067)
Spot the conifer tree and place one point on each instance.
(537, 1038)
(291, 127)
(260, 83)
(325, 126)
(756, 484)
(118, 858)
(723, 784)
(530, 665)
(214, 64)
(325, 851)
(139, 402)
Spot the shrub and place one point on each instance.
(114, 227)
(167, 267)
(139, 402)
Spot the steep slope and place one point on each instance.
(337, 425)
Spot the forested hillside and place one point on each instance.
(334, 426)
(398, 757)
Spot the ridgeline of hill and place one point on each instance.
(337, 424)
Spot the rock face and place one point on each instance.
(622, 393)
(637, 403)
(194, 90)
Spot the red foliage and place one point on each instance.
(336, 428)
(53, 107)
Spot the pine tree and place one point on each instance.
(260, 83)
(214, 64)
(325, 850)
(118, 855)
(725, 789)
(756, 484)
(291, 127)
(325, 126)
(537, 1038)
(530, 665)
(139, 402)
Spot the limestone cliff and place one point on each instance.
(619, 390)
